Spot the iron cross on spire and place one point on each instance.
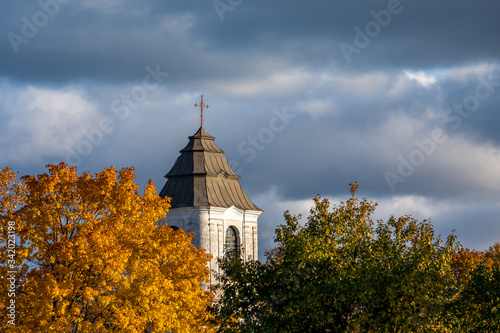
(201, 106)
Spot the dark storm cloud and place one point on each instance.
(355, 146)
(349, 121)
(114, 43)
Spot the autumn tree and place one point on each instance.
(476, 307)
(90, 256)
(341, 272)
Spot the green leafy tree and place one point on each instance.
(341, 272)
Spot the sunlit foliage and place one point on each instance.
(342, 272)
(477, 304)
(90, 256)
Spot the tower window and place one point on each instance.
(231, 240)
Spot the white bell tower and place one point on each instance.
(208, 199)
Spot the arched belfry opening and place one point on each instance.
(208, 200)
(232, 241)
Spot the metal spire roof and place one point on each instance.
(201, 176)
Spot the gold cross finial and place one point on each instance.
(201, 106)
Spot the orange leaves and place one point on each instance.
(465, 261)
(98, 261)
(11, 194)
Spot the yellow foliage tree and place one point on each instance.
(91, 257)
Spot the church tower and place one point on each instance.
(208, 199)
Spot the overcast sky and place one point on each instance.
(305, 98)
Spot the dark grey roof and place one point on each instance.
(201, 176)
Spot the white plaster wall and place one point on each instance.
(209, 225)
